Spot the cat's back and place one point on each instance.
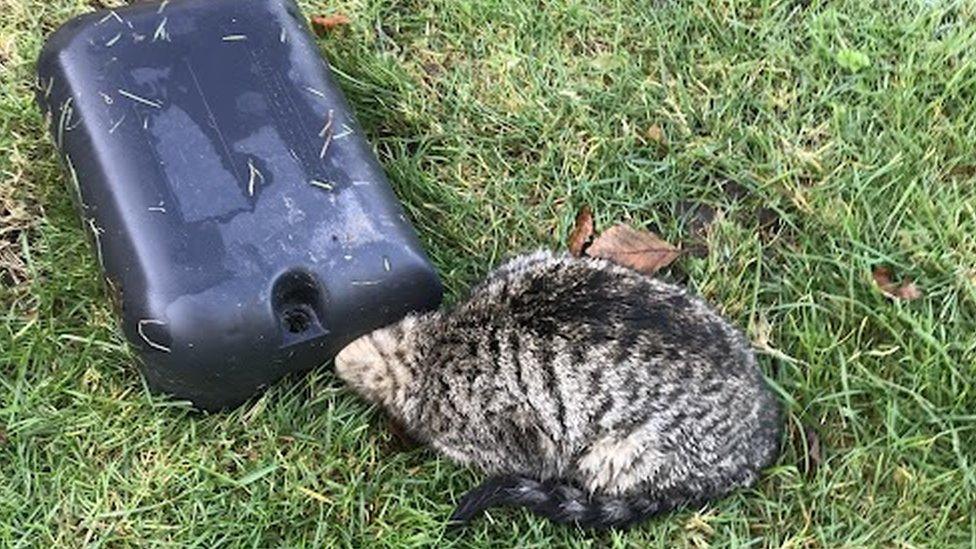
(604, 341)
(589, 301)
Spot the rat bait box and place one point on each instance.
(244, 228)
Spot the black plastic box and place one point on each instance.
(242, 222)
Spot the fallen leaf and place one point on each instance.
(906, 290)
(656, 135)
(642, 251)
(812, 457)
(882, 277)
(582, 234)
(323, 24)
(909, 291)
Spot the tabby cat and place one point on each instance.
(591, 394)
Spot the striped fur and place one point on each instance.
(589, 393)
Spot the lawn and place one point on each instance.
(791, 147)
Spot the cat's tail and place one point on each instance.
(564, 503)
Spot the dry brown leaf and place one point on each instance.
(642, 251)
(908, 291)
(323, 24)
(656, 135)
(582, 233)
(904, 291)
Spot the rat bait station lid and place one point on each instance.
(243, 225)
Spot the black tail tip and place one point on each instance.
(463, 514)
(492, 492)
(455, 525)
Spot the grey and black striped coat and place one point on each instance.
(589, 393)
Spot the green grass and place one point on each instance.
(850, 124)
